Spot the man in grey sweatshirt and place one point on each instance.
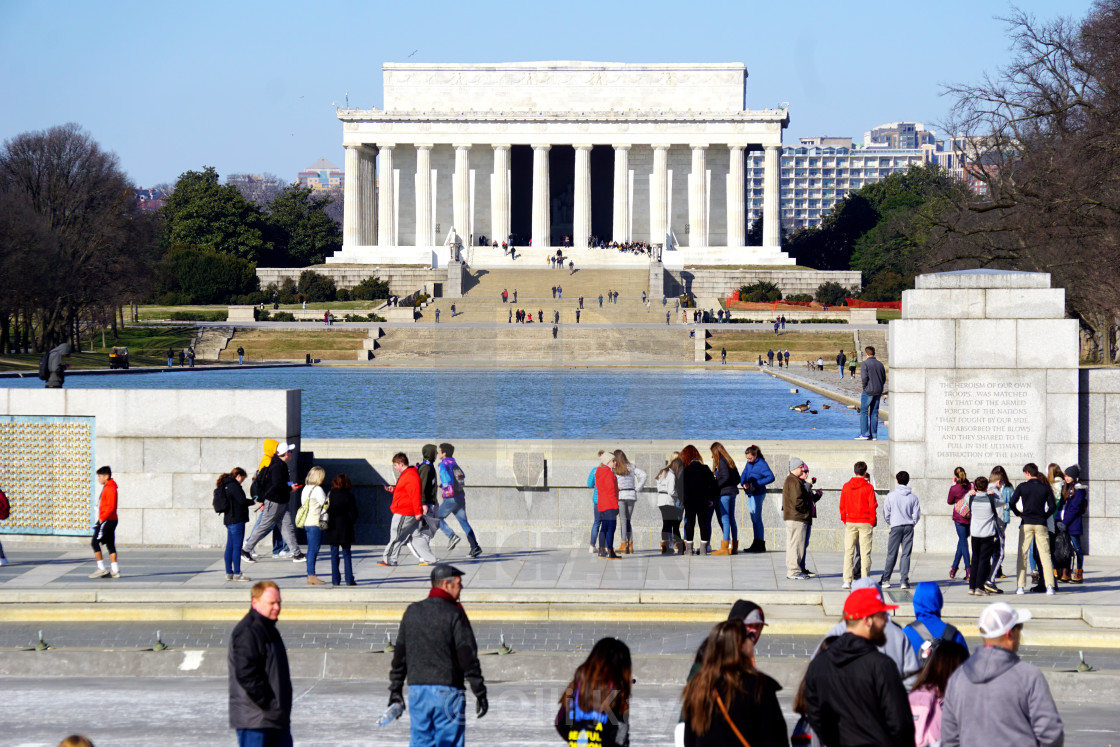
(994, 698)
(897, 647)
(902, 510)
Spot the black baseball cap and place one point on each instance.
(747, 611)
(443, 571)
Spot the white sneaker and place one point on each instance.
(99, 573)
(4, 561)
(282, 554)
(1050, 591)
(846, 585)
(1020, 590)
(904, 586)
(593, 549)
(884, 584)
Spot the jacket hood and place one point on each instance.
(847, 648)
(927, 600)
(988, 663)
(903, 490)
(270, 445)
(429, 452)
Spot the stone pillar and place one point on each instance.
(771, 204)
(659, 196)
(952, 403)
(581, 209)
(386, 202)
(424, 235)
(461, 193)
(352, 198)
(736, 200)
(367, 189)
(698, 198)
(499, 195)
(621, 229)
(542, 217)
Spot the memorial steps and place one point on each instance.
(533, 343)
(537, 282)
(485, 312)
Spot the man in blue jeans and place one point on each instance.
(451, 481)
(874, 379)
(437, 653)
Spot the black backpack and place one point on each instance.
(255, 488)
(44, 372)
(221, 502)
(949, 634)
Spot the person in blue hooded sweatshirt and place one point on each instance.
(928, 624)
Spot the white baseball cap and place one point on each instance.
(283, 449)
(1000, 617)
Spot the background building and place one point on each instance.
(322, 175)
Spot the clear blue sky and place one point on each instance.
(250, 86)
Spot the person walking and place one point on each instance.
(105, 530)
(754, 479)
(260, 682)
(406, 508)
(699, 494)
(1074, 506)
(874, 379)
(853, 693)
(841, 361)
(770, 357)
(631, 479)
(595, 706)
(996, 698)
(419, 542)
(728, 701)
(234, 517)
(452, 481)
(316, 501)
(671, 508)
(984, 524)
(1033, 502)
(436, 654)
(858, 509)
(240, 357)
(901, 510)
(275, 492)
(727, 481)
(595, 518)
(170, 358)
(797, 511)
(606, 492)
(339, 533)
(958, 499)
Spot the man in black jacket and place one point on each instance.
(1033, 502)
(854, 694)
(260, 685)
(275, 492)
(873, 376)
(436, 651)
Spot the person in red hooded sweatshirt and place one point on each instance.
(606, 489)
(858, 512)
(104, 532)
(407, 509)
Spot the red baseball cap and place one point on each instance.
(863, 603)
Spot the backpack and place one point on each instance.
(44, 371)
(255, 486)
(221, 503)
(458, 482)
(931, 643)
(926, 709)
(5, 506)
(1062, 551)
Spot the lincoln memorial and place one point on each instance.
(552, 150)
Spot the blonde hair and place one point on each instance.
(717, 452)
(621, 464)
(315, 476)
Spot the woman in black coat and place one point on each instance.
(699, 493)
(234, 517)
(343, 514)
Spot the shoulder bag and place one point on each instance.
(324, 516)
(727, 716)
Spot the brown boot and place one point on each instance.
(666, 548)
(612, 555)
(724, 548)
(734, 547)
(679, 545)
(1078, 578)
(1065, 575)
(629, 547)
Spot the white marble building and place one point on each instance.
(549, 150)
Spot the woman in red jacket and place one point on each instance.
(958, 499)
(606, 487)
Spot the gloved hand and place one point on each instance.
(396, 697)
(482, 705)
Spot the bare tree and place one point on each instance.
(259, 189)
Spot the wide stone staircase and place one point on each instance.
(211, 341)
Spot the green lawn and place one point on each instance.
(147, 346)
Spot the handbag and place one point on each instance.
(301, 515)
(962, 509)
(723, 709)
(324, 515)
(801, 736)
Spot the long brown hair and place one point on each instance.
(960, 476)
(999, 473)
(603, 680)
(234, 473)
(943, 661)
(621, 463)
(721, 673)
(717, 452)
(675, 466)
(690, 454)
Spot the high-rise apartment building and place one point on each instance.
(322, 175)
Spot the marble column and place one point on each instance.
(542, 203)
(461, 193)
(771, 206)
(736, 199)
(698, 198)
(621, 228)
(367, 190)
(499, 195)
(659, 196)
(424, 235)
(386, 197)
(352, 198)
(581, 208)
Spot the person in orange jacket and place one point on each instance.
(407, 508)
(606, 492)
(104, 532)
(857, 511)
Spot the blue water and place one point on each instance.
(524, 402)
